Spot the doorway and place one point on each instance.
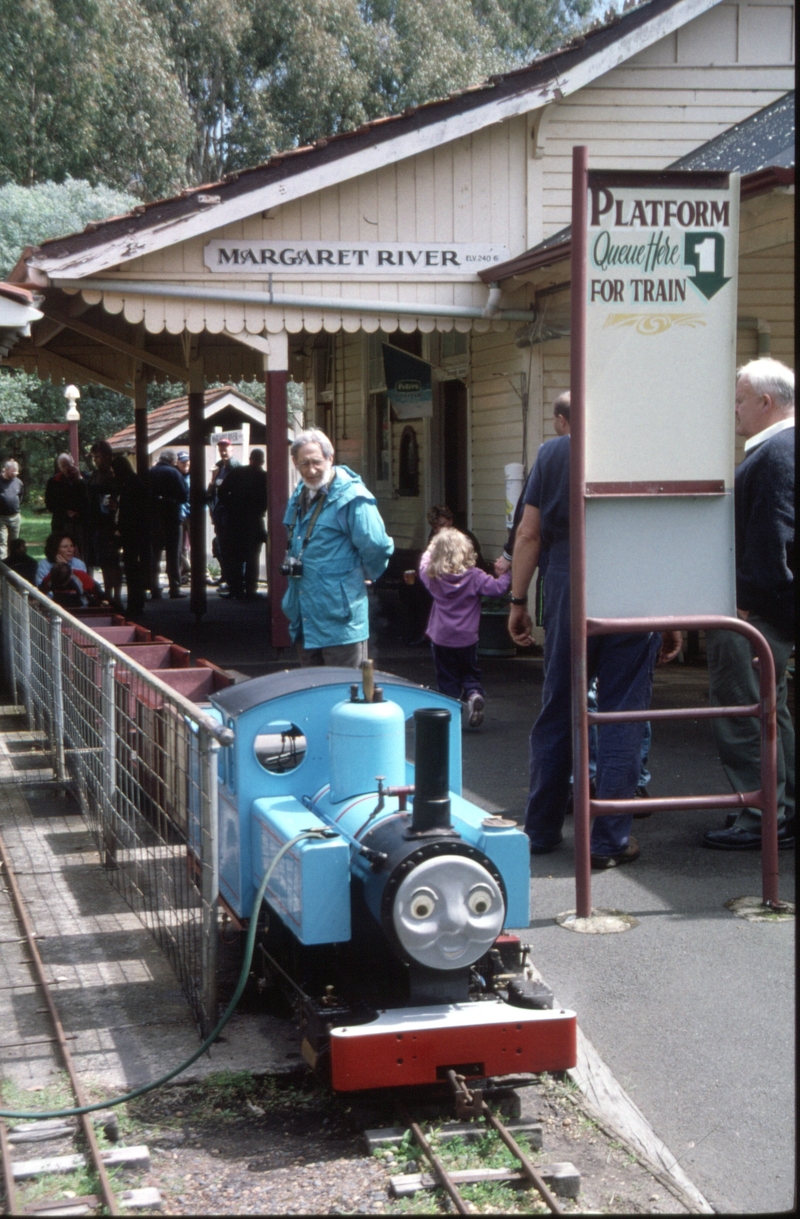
(455, 449)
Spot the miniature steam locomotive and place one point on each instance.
(387, 928)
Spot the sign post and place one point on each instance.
(652, 370)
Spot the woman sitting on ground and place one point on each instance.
(58, 546)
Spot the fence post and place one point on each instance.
(8, 654)
(25, 656)
(209, 876)
(57, 678)
(109, 756)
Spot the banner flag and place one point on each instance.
(408, 384)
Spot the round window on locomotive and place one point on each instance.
(280, 746)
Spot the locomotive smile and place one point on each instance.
(448, 913)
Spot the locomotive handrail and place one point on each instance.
(218, 731)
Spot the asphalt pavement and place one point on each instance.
(693, 1009)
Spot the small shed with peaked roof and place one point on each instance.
(226, 409)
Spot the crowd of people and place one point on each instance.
(119, 523)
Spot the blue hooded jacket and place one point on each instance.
(349, 543)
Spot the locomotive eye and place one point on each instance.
(480, 901)
(422, 905)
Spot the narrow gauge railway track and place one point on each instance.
(472, 1105)
(54, 1130)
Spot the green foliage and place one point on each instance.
(149, 94)
(31, 214)
(89, 91)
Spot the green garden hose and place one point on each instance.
(243, 976)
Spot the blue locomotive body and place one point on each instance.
(261, 795)
(399, 909)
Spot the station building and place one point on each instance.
(439, 236)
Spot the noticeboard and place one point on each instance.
(661, 289)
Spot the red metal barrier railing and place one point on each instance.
(585, 808)
(764, 799)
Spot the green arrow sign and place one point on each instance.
(706, 253)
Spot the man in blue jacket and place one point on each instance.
(764, 506)
(337, 540)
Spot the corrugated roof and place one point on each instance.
(297, 160)
(765, 140)
(164, 418)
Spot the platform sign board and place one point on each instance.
(660, 379)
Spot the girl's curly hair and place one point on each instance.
(452, 553)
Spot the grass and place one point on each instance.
(224, 1095)
(34, 528)
(490, 1197)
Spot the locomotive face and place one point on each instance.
(448, 912)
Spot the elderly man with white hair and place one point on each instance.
(12, 492)
(336, 541)
(764, 506)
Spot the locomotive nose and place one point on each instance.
(448, 912)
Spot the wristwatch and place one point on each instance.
(519, 600)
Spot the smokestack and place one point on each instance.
(432, 771)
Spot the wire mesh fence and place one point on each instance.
(141, 760)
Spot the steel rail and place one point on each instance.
(473, 1104)
(439, 1169)
(80, 1096)
(146, 676)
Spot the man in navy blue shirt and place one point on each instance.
(764, 505)
(623, 664)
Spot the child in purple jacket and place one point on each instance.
(448, 571)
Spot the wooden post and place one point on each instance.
(197, 487)
(276, 366)
(140, 419)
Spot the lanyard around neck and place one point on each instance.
(322, 499)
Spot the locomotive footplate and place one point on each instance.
(415, 1046)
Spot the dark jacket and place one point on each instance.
(167, 491)
(63, 495)
(12, 493)
(244, 494)
(764, 504)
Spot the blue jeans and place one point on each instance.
(457, 670)
(624, 667)
(591, 705)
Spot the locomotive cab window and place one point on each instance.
(280, 746)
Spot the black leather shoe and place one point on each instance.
(631, 852)
(732, 839)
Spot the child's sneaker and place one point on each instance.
(475, 705)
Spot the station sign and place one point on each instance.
(338, 259)
(231, 437)
(661, 304)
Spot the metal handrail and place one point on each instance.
(220, 733)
